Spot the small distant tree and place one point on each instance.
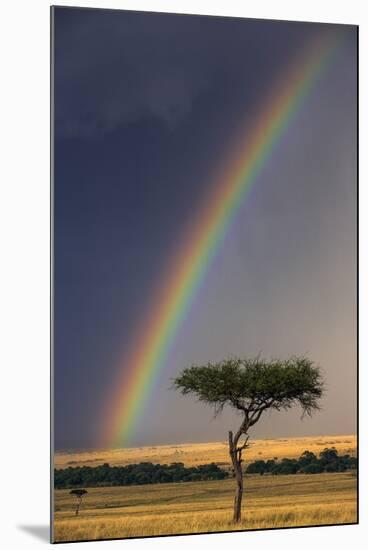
(328, 456)
(252, 386)
(313, 468)
(287, 466)
(257, 467)
(79, 493)
(306, 458)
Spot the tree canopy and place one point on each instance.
(253, 385)
(78, 492)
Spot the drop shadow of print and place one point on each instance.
(40, 532)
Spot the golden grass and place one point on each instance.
(202, 453)
(148, 510)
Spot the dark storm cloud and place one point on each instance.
(117, 68)
(115, 77)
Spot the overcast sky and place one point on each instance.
(146, 107)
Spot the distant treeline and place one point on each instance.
(134, 474)
(307, 463)
(146, 472)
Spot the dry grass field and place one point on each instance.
(203, 453)
(206, 506)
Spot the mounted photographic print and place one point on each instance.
(204, 181)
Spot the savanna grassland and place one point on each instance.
(203, 453)
(206, 506)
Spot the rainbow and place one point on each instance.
(176, 293)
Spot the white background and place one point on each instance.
(25, 271)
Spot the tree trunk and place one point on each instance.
(238, 497)
(79, 503)
(236, 462)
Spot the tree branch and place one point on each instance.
(242, 430)
(258, 412)
(239, 450)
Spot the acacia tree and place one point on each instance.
(79, 493)
(252, 386)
